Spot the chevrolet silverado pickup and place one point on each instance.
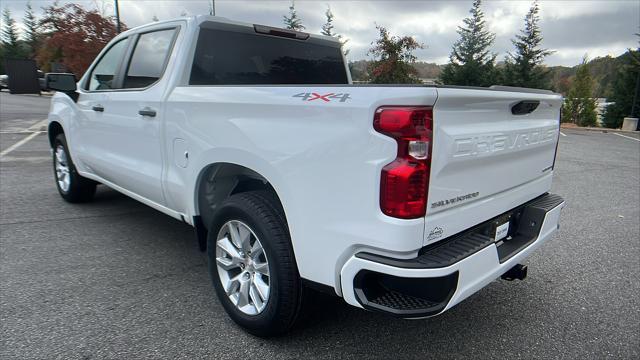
(399, 199)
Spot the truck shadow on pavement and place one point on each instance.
(161, 252)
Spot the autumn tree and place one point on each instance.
(393, 59)
(74, 36)
(471, 62)
(579, 105)
(293, 22)
(327, 30)
(524, 67)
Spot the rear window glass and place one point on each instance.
(234, 58)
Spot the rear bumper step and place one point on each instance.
(404, 297)
(446, 272)
(526, 222)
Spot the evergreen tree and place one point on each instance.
(10, 36)
(51, 19)
(32, 33)
(625, 90)
(327, 30)
(524, 68)
(471, 63)
(394, 59)
(155, 18)
(579, 106)
(293, 22)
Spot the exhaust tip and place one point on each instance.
(518, 272)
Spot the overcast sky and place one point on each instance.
(571, 28)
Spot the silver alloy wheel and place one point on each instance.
(62, 169)
(243, 267)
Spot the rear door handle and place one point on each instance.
(98, 108)
(147, 111)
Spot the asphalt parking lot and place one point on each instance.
(116, 279)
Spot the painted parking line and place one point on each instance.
(625, 136)
(25, 159)
(12, 132)
(19, 143)
(33, 131)
(563, 134)
(39, 126)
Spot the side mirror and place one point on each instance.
(62, 82)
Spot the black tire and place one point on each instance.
(80, 188)
(262, 213)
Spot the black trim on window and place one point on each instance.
(87, 81)
(126, 60)
(129, 57)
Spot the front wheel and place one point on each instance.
(72, 186)
(252, 264)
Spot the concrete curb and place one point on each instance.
(599, 130)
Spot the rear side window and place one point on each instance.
(149, 58)
(103, 74)
(235, 58)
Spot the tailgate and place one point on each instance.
(481, 149)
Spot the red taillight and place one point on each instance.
(405, 181)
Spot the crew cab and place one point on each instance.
(399, 199)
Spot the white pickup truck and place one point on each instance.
(399, 199)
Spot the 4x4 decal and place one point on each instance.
(324, 97)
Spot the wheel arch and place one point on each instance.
(54, 129)
(218, 181)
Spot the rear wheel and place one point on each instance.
(71, 186)
(252, 264)
(243, 267)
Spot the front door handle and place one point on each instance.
(147, 111)
(97, 108)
